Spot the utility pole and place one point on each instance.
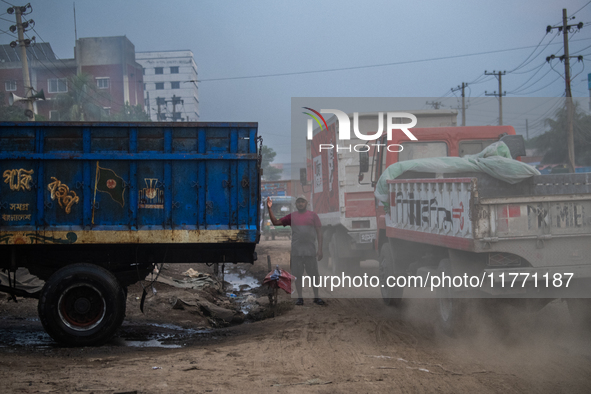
(501, 93)
(159, 102)
(434, 104)
(570, 141)
(23, 44)
(174, 101)
(462, 87)
(148, 106)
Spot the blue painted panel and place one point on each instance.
(151, 194)
(110, 194)
(63, 193)
(131, 176)
(185, 204)
(18, 193)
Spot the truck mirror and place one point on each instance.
(303, 177)
(516, 145)
(363, 162)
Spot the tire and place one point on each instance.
(392, 296)
(82, 305)
(323, 264)
(580, 312)
(451, 311)
(340, 265)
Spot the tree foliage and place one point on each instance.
(270, 173)
(131, 113)
(11, 113)
(553, 143)
(83, 101)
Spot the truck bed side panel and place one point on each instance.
(65, 183)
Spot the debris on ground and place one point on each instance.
(200, 282)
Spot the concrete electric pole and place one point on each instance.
(23, 44)
(462, 87)
(570, 140)
(434, 104)
(500, 94)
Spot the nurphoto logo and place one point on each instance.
(344, 128)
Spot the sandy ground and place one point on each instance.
(350, 345)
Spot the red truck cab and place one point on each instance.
(431, 142)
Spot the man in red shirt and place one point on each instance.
(305, 229)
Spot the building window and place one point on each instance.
(160, 101)
(176, 116)
(175, 85)
(54, 115)
(102, 83)
(161, 117)
(159, 85)
(10, 86)
(144, 86)
(57, 85)
(174, 70)
(107, 111)
(159, 70)
(143, 71)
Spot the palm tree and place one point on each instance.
(83, 100)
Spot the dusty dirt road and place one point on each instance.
(350, 345)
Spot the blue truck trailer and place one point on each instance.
(91, 208)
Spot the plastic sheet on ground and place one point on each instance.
(495, 160)
(200, 282)
(279, 278)
(23, 280)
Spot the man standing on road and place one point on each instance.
(305, 229)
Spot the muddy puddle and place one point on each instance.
(29, 333)
(169, 336)
(24, 333)
(240, 288)
(153, 335)
(240, 281)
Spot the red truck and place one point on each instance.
(471, 236)
(343, 201)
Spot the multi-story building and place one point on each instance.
(109, 60)
(170, 85)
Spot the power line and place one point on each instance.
(96, 102)
(530, 55)
(9, 33)
(543, 87)
(529, 79)
(531, 69)
(581, 8)
(369, 66)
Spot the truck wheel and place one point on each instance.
(451, 311)
(392, 296)
(325, 250)
(339, 264)
(580, 312)
(82, 305)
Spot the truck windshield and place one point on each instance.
(422, 150)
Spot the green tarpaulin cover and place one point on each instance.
(494, 160)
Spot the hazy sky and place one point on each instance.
(252, 38)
